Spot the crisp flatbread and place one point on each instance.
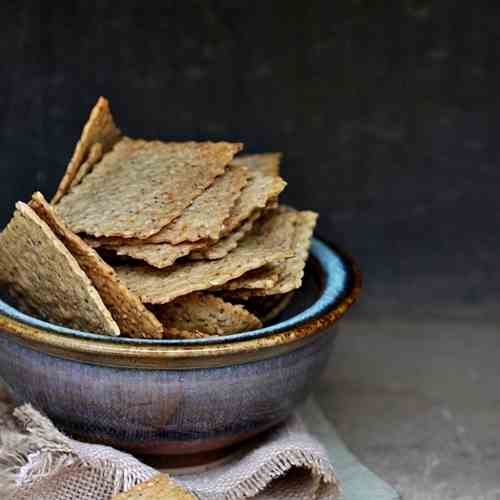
(127, 310)
(203, 219)
(159, 487)
(258, 192)
(155, 286)
(99, 128)
(281, 224)
(291, 271)
(174, 333)
(206, 313)
(161, 255)
(41, 270)
(95, 154)
(225, 245)
(264, 277)
(140, 187)
(265, 163)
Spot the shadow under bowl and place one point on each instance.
(177, 397)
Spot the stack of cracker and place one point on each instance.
(157, 239)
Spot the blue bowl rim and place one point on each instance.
(339, 275)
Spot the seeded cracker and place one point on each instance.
(159, 487)
(291, 271)
(161, 255)
(127, 310)
(225, 245)
(43, 272)
(140, 187)
(155, 286)
(100, 128)
(281, 224)
(265, 163)
(95, 155)
(259, 191)
(206, 313)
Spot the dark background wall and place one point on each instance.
(387, 112)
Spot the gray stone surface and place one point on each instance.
(418, 401)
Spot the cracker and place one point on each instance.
(281, 224)
(161, 255)
(258, 192)
(222, 247)
(140, 187)
(40, 269)
(95, 154)
(155, 286)
(206, 313)
(174, 333)
(99, 128)
(291, 271)
(205, 217)
(127, 310)
(265, 163)
(264, 277)
(159, 487)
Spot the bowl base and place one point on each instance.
(193, 463)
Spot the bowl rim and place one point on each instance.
(339, 292)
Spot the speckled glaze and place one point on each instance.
(177, 397)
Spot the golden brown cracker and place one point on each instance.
(258, 192)
(127, 310)
(161, 255)
(95, 154)
(221, 248)
(265, 163)
(100, 128)
(140, 187)
(206, 313)
(43, 272)
(155, 286)
(159, 487)
(291, 271)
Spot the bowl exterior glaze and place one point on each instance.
(164, 411)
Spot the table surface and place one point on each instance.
(417, 399)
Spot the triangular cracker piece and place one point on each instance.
(140, 187)
(265, 163)
(155, 286)
(101, 129)
(258, 192)
(127, 310)
(291, 271)
(42, 271)
(206, 313)
(95, 154)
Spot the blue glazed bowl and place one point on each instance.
(178, 397)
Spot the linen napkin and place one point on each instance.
(39, 462)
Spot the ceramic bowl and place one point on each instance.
(173, 397)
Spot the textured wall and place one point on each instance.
(388, 116)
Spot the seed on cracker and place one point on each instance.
(155, 286)
(206, 313)
(127, 310)
(265, 163)
(40, 269)
(101, 129)
(140, 187)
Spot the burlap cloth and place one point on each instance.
(39, 462)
